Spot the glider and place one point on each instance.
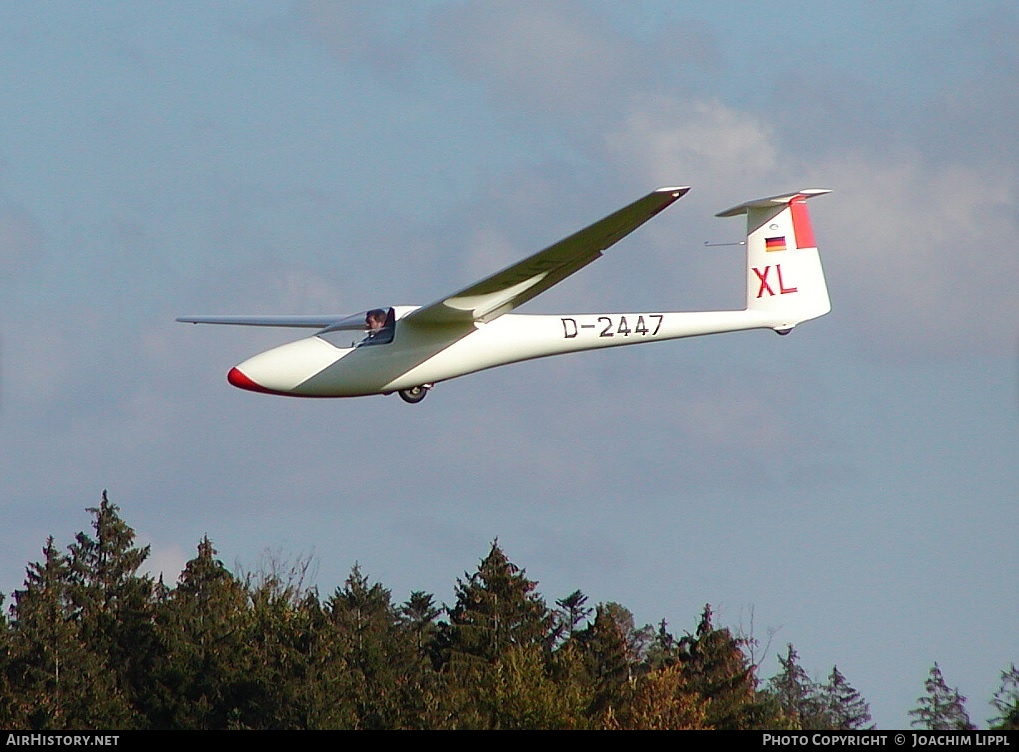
(409, 349)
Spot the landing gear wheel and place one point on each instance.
(414, 395)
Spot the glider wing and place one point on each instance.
(337, 321)
(513, 286)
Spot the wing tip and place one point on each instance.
(677, 191)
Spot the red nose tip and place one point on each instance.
(241, 381)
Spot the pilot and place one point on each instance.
(375, 320)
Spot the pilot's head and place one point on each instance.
(376, 319)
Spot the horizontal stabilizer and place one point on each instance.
(771, 201)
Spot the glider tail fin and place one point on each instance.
(785, 281)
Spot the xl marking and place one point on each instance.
(762, 277)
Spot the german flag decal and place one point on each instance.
(774, 244)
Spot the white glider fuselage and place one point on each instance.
(408, 349)
(316, 367)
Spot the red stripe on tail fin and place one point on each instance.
(802, 228)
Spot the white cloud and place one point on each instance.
(547, 56)
(354, 32)
(925, 254)
(547, 60)
(708, 144)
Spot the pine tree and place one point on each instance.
(571, 611)
(423, 699)
(610, 661)
(57, 682)
(716, 669)
(419, 614)
(942, 708)
(663, 651)
(113, 604)
(203, 670)
(377, 652)
(1006, 702)
(844, 706)
(496, 611)
(797, 695)
(496, 607)
(635, 678)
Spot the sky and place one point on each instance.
(850, 489)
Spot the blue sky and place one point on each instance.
(851, 489)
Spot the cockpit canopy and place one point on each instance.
(375, 326)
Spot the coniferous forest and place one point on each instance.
(90, 642)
